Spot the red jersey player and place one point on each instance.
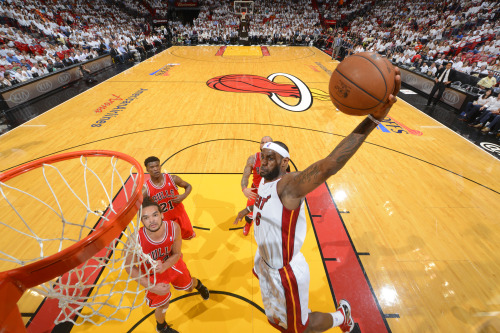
(163, 188)
(161, 240)
(252, 168)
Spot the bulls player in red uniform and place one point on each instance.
(161, 240)
(163, 188)
(252, 168)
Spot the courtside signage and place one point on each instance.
(391, 125)
(164, 71)
(116, 111)
(489, 146)
(108, 103)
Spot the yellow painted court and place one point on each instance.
(408, 231)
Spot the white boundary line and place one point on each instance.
(444, 126)
(326, 54)
(83, 92)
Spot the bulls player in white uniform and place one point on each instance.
(280, 228)
(162, 241)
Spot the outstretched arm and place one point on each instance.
(296, 186)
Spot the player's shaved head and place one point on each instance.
(264, 140)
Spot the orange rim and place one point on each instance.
(17, 280)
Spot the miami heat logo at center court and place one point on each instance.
(243, 83)
(247, 83)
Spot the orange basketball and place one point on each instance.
(362, 83)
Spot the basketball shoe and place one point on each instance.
(205, 294)
(348, 324)
(166, 329)
(248, 224)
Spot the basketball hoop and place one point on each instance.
(101, 248)
(243, 8)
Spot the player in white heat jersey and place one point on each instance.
(280, 228)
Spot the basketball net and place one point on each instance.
(98, 289)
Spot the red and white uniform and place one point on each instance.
(281, 268)
(178, 275)
(256, 177)
(163, 195)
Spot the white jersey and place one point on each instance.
(279, 232)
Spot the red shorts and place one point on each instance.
(182, 219)
(178, 276)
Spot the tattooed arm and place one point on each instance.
(293, 187)
(246, 176)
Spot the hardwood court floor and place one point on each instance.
(418, 202)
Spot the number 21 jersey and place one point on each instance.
(163, 195)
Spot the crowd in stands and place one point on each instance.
(280, 22)
(425, 35)
(160, 8)
(39, 38)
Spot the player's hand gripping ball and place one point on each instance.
(362, 83)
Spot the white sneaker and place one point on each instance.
(348, 324)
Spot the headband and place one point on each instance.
(277, 148)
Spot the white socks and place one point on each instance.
(338, 318)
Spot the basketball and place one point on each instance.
(362, 83)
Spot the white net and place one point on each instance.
(76, 198)
(101, 289)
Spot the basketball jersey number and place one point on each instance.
(257, 219)
(166, 206)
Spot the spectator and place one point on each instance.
(474, 71)
(50, 66)
(58, 63)
(492, 107)
(432, 70)
(11, 58)
(495, 126)
(37, 71)
(67, 61)
(86, 75)
(466, 67)
(8, 81)
(473, 108)
(117, 54)
(20, 75)
(487, 82)
(24, 63)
